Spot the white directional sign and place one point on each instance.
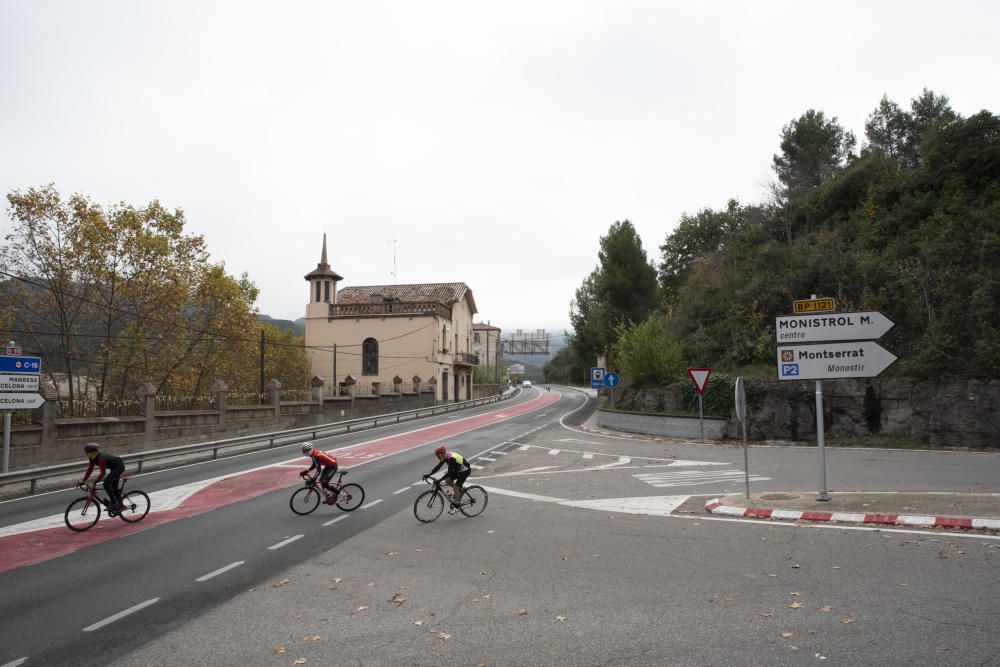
(831, 326)
(14, 382)
(20, 401)
(830, 361)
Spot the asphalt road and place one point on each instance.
(558, 569)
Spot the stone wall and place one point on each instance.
(946, 412)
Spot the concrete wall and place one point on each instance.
(60, 440)
(676, 427)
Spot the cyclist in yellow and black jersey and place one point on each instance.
(458, 471)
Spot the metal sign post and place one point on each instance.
(820, 441)
(6, 440)
(741, 414)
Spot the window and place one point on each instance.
(369, 357)
(317, 291)
(326, 291)
(475, 338)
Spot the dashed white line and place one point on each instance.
(15, 663)
(524, 448)
(371, 504)
(500, 453)
(483, 458)
(553, 452)
(588, 456)
(119, 615)
(216, 573)
(285, 542)
(339, 518)
(399, 491)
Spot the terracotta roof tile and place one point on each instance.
(446, 293)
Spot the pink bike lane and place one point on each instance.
(30, 546)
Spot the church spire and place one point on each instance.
(323, 269)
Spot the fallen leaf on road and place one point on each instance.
(490, 532)
(522, 612)
(418, 550)
(441, 635)
(786, 635)
(300, 661)
(794, 567)
(796, 605)
(391, 553)
(280, 649)
(280, 583)
(418, 622)
(826, 608)
(835, 567)
(487, 597)
(773, 575)
(795, 594)
(315, 638)
(361, 608)
(337, 580)
(560, 618)
(398, 599)
(765, 614)
(845, 621)
(475, 599)
(482, 573)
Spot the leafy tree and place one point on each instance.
(647, 354)
(621, 290)
(567, 368)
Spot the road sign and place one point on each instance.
(13, 349)
(596, 378)
(20, 401)
(13, 382)
(611, 380)
(814, 306)
(20, 364)
(741, 400)
(870, 325)
(831, 361)
(700, 378)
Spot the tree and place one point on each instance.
(647, 354)
(621, 290)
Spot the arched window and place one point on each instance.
(369, 357)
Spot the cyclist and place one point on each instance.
(326, 465)
(112, 468)
(458, 471)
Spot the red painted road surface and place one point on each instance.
(40, 545)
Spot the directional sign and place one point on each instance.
(12, 382)
(13, 349)
(814, 306)
(611, 380)
(864, 359)
(20, 364)
(20, 401)
(596, 378)
(700, 378)
(833, 326)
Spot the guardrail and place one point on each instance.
(272, 439)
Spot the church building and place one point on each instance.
(417, 334)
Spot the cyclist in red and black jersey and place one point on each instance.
(323, 462)
(111, 467)
(458, 471)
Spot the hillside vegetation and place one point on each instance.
(909, 225)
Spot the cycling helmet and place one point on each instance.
(307, 447)
(441, 451)
(90, 447)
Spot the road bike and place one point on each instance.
(347, 497)
(429, 504)
(83, 513)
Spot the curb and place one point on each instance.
(715, 506)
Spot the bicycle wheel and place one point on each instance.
(428, 506)
(473, 501)
(350, 497)
(82, 514)
(136, 507)
(304, 501)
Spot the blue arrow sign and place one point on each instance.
(611, 379)
(20, 364)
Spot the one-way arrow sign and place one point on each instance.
(831, 326)
(863, 359)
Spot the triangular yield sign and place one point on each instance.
(700, 378)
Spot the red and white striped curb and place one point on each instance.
(715, 506)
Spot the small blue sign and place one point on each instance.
(611, 379)
(596, 377)
(20, 364)
(788, 370)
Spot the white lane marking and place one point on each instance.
(284, 542)
(483, 458)
(120, 615)
(692, 477)
(674, 462)
(624, 459)
(529, 471)
(402, 490)
(15, 663)
(206, 577)
(498, 453)
(371, 504)
(524, 448)
(588, 456)
(553, 452)
(339, 518)
(475, 467)
(654, 505)
(526, 496)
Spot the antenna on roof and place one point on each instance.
(393, 242)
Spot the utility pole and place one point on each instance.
(262, 361)
(394, 242)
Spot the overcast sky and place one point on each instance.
(494, 142)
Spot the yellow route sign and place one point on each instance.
(814, 306)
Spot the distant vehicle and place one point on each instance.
(526, 383)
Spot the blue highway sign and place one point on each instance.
(20, 364)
